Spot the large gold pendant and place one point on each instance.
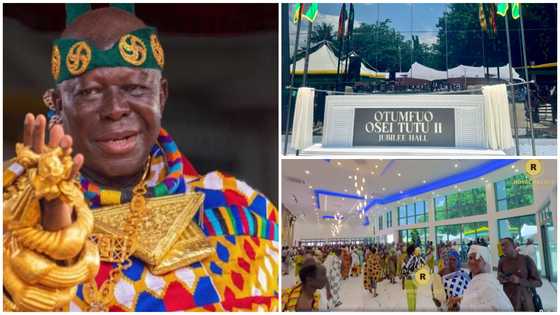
(166, 234)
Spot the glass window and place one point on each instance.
(402, 215)
(389, 219)
(413, 213)
(514, 192)
(461, 204)
(461, 235)
(380, 223)
(420, 235)
(518, 228)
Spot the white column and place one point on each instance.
(491, 209)
(430, 205)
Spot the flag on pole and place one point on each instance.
(515, 11)
(310, 14)
(492, 17)
(297, 8)
(482, 18)
(341, 22)
(350, 20)
(503, 8)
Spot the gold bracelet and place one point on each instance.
(34, 268)
(63, 244)
(34, 298)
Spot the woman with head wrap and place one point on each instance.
(484, 292)
(454, 279)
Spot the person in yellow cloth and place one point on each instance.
(414, 262)
(305, 295)
(126, 224)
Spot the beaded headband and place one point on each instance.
(74, 57)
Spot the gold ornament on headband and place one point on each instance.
(55, 62)
(132, 49)
(157, 50)
(78, 58)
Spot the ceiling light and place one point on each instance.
(383, 188)
(312, 197)
(376, 166)
(398, 174)
(357, 169)
(361, 187)
(363, 179)
(455, 186)
(338, 163)
(401, 191)
(482, 178)
(307, 172)
(424, 181)
(356, 185)
(310, 187)
(516, 170)
(349, 176)
(513, 166)
(372, 173)
(355, 177)
(345, 190)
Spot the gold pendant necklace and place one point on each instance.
(118, 249)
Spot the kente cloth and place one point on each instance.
(334, 265)
(240, 223)
(346, 261)
(372, 271)
(456, 283)
(290, 298)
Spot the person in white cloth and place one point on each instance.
(334, 266)
(484, 292)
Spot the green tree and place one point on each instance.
(465, 39)
(322, 32)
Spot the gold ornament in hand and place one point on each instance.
(53, 171)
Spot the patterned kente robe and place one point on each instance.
(240, 275)
(372, 271)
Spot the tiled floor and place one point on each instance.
(392, 298)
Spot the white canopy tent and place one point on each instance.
(419, 71)
(323, 61)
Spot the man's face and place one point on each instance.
(114, 117)
(507, 247)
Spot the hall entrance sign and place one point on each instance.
(408, 121)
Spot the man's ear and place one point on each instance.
(163, 93)
(57, 99)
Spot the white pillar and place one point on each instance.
(491, 209)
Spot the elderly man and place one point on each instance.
(164, 237)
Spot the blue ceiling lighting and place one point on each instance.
(464, 176)
(319, 192)
(332, 217)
